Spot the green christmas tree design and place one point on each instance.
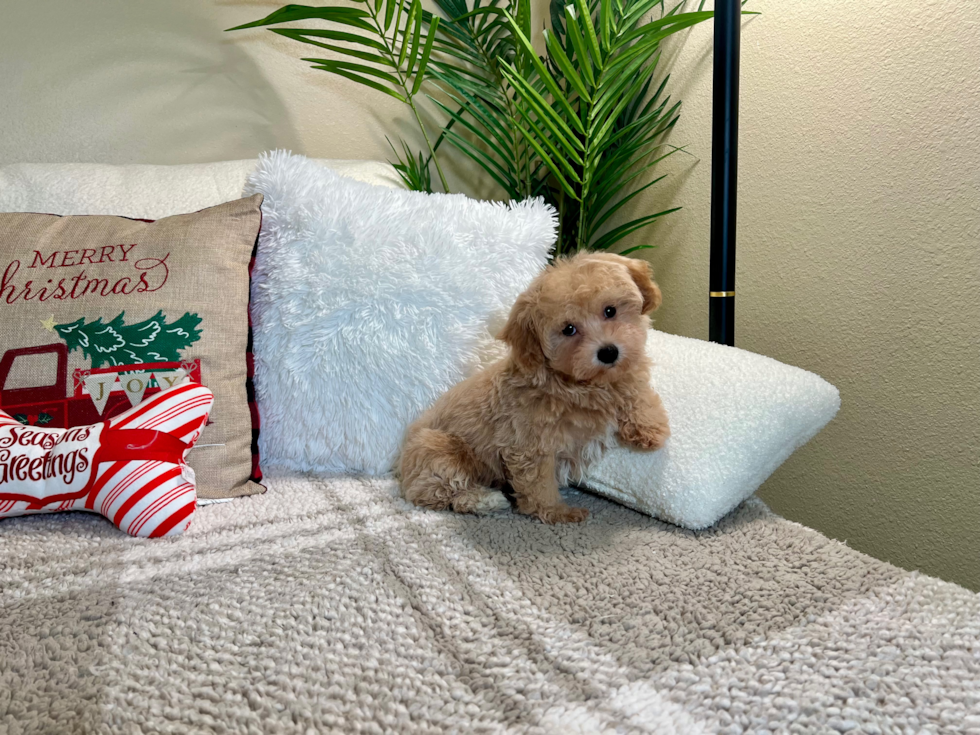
(117, 343)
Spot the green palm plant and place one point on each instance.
(578, 126)
(395, 37)
(588, 113)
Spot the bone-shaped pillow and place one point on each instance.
(130, 468)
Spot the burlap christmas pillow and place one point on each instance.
(97, 312)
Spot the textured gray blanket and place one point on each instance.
(331, 606)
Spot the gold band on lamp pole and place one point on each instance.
(720, 294)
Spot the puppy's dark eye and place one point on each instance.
(569, 330)
(610, 312)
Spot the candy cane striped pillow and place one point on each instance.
(130, 469)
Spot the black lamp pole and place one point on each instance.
(724, 170)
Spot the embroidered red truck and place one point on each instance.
(51, 405)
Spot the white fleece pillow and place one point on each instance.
(144, 191)
(368, 303)
(734, 418)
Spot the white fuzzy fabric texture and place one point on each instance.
(144, 191)
(369, 303)
(734, 418)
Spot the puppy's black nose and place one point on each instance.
(608, 354)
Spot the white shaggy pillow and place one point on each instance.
(368, 303)
(734, 418)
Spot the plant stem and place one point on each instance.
(432, 151)
(580, 237)
(561, 222)
(520, 154)
(409, 97)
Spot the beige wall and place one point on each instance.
(858, 258)
(859, 211)
(144, 81)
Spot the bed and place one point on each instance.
(329, 604)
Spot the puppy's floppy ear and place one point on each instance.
(642, 276)
(640, 272)
(520, 333)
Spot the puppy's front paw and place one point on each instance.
(644, 437)
(562, 514)
(492, 500)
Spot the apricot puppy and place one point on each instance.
(576, 372)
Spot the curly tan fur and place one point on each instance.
(536, 418)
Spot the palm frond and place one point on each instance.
(385, 45)
(583, 125)
(586, 109)
(413, 169)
